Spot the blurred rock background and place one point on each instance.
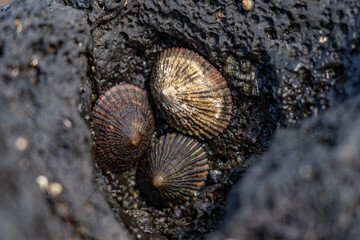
(4, 2)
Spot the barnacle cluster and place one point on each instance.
(194, 99)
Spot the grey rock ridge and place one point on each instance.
(46, 169)
(306, 186)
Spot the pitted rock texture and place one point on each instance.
(46, 169)
(288, 61)
(283, 61)
(141, 30)
(306, 186)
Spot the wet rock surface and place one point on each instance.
(283, 61)
(306, 185)
(289, 67)
(127, 54)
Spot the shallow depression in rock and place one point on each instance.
(199, 214)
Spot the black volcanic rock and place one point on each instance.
(284, 61)
(306, 186)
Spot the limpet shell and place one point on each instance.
(174, 170)
(191, 94)
(125, 124)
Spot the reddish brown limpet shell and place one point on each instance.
(125, 124)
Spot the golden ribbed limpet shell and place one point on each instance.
(174, 170)
(125, 125)
(190, 93)
(248, 5)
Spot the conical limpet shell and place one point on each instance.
(174, 170)
(125, 125)
(190, 93)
